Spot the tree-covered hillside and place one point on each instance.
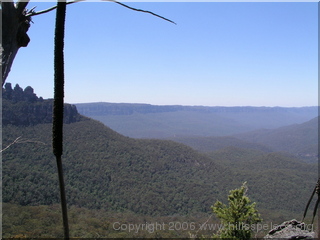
(210, 144)
(271, 175)
(298, 139)
(106, 171)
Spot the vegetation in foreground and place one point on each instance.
(45, 221)
(239, 217)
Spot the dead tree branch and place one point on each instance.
(20, 140)
(14, 142)
(32, 13)
(140, 10)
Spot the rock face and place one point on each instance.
(292, 229)
(23, 107)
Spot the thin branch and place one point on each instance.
(15, 141)
(140, 10)
(202, 225)
(32, 13)
(20, 140)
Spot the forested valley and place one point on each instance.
(111, 178)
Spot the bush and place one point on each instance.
(239, 217)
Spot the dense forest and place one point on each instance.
(110, 177)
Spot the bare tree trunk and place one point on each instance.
(15, 25)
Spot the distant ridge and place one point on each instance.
(153, 121)
(103, 108)
(298, 139)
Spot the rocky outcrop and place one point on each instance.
(23, 107)
(26, 113)
(292, 229)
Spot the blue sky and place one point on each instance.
(218, 54)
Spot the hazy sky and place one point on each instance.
(218, 54)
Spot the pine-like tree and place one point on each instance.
(239, 218)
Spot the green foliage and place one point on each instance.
(274, 178)
(239, 217)
(105, 171)
(45, 222)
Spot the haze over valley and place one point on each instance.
(175, 113)
(291, 130)
(165, 171)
